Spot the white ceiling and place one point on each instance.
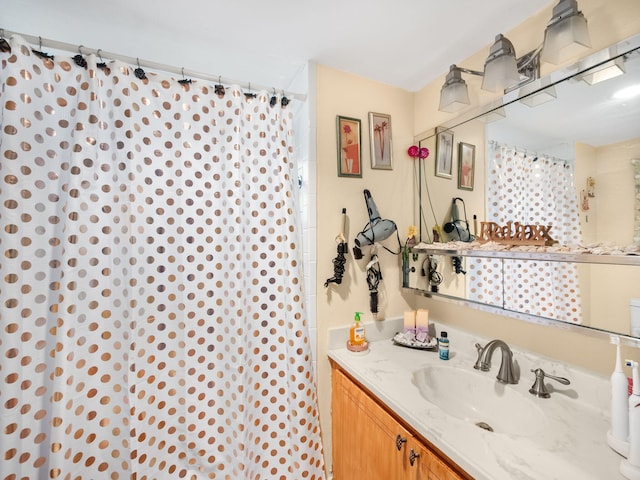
(406, 43)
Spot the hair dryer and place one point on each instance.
(377, 230)
(457, 228)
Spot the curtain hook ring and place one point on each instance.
(100, 64)
(79, 58)
(219, 88)
(184, 81)
(139, 72)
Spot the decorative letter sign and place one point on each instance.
(515, 234)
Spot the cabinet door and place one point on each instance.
(365, 436)
(428, 466)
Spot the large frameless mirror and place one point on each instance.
(580, 127)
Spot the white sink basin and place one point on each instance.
(477, 397)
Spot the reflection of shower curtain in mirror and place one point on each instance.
(152, 323)
(530, 189)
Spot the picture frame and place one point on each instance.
(444, 153)
(380, 141)
(466, 165)
(349, 147)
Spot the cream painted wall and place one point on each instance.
(344, 94)
(614, 202)
(339, 93)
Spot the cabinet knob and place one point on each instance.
(412, 457)
(399, 442)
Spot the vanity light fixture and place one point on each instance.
(503, 71)
(566, 34)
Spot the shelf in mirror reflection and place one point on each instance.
(569, 289)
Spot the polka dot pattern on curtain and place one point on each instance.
(153, 323)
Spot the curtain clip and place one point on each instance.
(40, 53)
(79, 59)
(219, 88)
(250, 94)
(284, 101)
(184, 81)
(4, 44)
(139, 72)
(101, 63)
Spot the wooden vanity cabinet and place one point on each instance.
(369, 443)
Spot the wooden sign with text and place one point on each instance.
(515, 233)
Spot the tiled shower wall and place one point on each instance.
(305, 147)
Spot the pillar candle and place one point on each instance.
(422, 318)
(410, 319)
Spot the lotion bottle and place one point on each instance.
(356, 332)
(618, 437)
(630, 467)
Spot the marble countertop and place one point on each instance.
(572, 444)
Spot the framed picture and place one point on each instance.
(466, 165)
(380, 137)
(349, 147)
(444, 153)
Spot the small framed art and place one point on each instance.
(444, 153)
(466, 165)
(349, 147)
(380, 139)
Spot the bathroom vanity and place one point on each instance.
(375, 444)
(395, 404)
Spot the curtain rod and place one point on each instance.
(68, 47)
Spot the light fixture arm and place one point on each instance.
(466, 70)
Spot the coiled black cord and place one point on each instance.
(338, 265)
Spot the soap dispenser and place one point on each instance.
(618, 436)
(630, 467)
(357, 340)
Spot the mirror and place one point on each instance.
(584, 124)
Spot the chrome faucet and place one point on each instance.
(506, 374)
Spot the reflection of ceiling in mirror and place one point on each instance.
(581, 112)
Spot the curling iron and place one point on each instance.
(340, 260)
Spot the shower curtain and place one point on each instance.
(152, 317)
(539, 190)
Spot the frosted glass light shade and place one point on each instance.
(535, 93)
(565, 37)
(538, 98)
(500, 74)
(454, 95)
(610, 69)
(500, 68)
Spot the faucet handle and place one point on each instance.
(538, 388)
